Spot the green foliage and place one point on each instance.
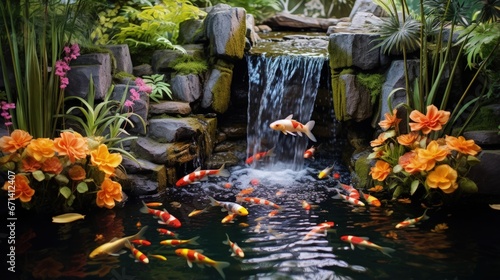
(158, 86)
(373, 82)
(260, 9)
(188, 64)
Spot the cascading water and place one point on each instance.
(280, 86)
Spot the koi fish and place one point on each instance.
(289, 125)
(175, 242)
(159, 257)
(306, 205)
(235, 249)
(154, 204)
(351, 200)
(138, 255)
(245, 191)
(411, 222)
(257, 201)
(309, 153)
(67, 218)
(362, 242)
(115, 245)
(196, 212)
(163, 231)
(164, 216)
(141, 242)
(351, 191)
(371, 200)
(321, 227)
(193, 256)
(259, 156)
(274, 212)
(202, 175)
(325, 172)
(229, 206)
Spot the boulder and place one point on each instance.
(122, 57)
(95, 65)
(297, 22)
(217, 91)
(354, 50)
(170, 107)
(186, 88)
(485, 174)
(358, 103)
(140, 107)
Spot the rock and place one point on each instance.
(235, 131)
(485, 174)
(150, 150)
(140, 185)
(354, 50)
(264, 28)
(186, 87)
(484, 138)
(366, 6)
(365, 20)
(154, 172)
(358, 103)
(217, 91)
(170, 107)
(140, 107)
(217, 159)
(291, 21)
(121, 54)
(95, 65)
(142, 70)
(251, 35)
(191, 32)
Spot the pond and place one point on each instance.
(274, 247)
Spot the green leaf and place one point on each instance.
(472, 160)
(62, 180)
(82, 187)
(467, 185)
(70, 200)
(38, 175)
(393, 185)
(397, 192)
(414, 187)
(65, 191)
(397, 168)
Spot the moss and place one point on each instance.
(485, 119)
(221, 90)
(235, 46)
(188, 64)
(373, 82)
(123, 75)
(362, 169)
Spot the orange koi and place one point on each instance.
(371, 200)
(138, 255)
(229, 218)
(259, 156)
(163, 231)
(175, 242)
(362, 242)
(309, 153)
(411, 222)
(202, 175)
(141, 242)
(257, 201)
(235, 249)
(306, 205)
(159, 257)
(193, 256)
(138, 224)
(290, 126)
(321, 227)
(164, 216)
(245, 191)
(154, 204)
(196, 212)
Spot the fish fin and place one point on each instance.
(140, 234)
(387, 251)
(309, 126)
(299, 133)
(213, 202)
(190, 264)
(289, 132)
(197, 169)
(352, 246)
(145, 208)
(113, 239)
(424, 216)
(192, 241)
(225, 243)
(161, 222)
(128, 244)
(361, 247)
(219, 266)
(117, 253)
(223, 171)
(204, 178)
(289, 117)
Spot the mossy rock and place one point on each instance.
(362, 168)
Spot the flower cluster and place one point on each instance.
(406, 161)
(136, 94)
(63, 169)
(62, 65)
(5, 112)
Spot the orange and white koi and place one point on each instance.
(231, 207)
(305, 205)
(362, 242)
(202, 175)
(165, 217)
(351, 191)
(411, 222)
(159, 257)
(141, 242)
(325, 172)
(309, 153)
(245, 191)
(235, 249)
(321, 227)
(154, 204)
(138, 255)
(351, 200)
(193, 256)
(257, 201)
(163, 231)
(229, 218)
(290, 126)
(274, 212)
(175, 242)
(371, 200)
(259, 156)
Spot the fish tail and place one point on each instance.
(424, 216)
(226, 241)
(140, 234)
(213, 202)
(192, 241)
(128, 245)
(144, 209)
(223, 171)
(219, 266)
(387, 251)
(309, 126)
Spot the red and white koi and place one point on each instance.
(259, 156)
(411, 222)
(351, 200)
(274, 212)
(193, 256)
(202, 175)
(163, 231)
(141, 242)
(138, 255)
(235, 249)
(325, 172)
(231, 207)
(175, 242)
(351, 191)
(372, 200)
(321, 227)
(309, 153)
(165, 217)
(290, 126)
(257, 201)
(246, 191)
(362, 242)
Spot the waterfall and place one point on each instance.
(280, 86)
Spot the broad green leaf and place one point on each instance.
(38, 175)
(468, 186)
(61, 179)
(82, 187)
(65, 191)
(397, 168)
(414, 187)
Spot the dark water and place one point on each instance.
(273, 246)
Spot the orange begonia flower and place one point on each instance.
(434, 120)
(18, 139)
(379, 141)
(380, 171)
(110, 191)
(29, 164)
(41, 148)
(443, 177)
(71, 144)
(433, 153)
(416, 164)
(52, 165)
(409, 139)
(390, 120)
(463, 146)
(105, 161)
(22, 189)
(76, 173)
(406, 158)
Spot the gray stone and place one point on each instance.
(364, 19)
(150, 150)
(348, 50)
(217, 91)
(186, 87)
(168, 130)
(358, 103)
(287, 21)
(162, 59)
(79, 80)
(191, 32)
(142, 70)
(483, 137)
(155, 172)
(366, 6)
(485, 174)
(122, 57)
(170, 107)
(251, 35)
(140, 185)
(140, 107)
(217, 159)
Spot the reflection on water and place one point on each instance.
(274, 246)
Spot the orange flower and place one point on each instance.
(380, 171)
(443, 177)
(406, 158)
(409, 139)
(434, 120)
(379, 141)
(71, 144)
(18, 139)
(433, 153)
(77, 173)
(52, 165)
(110, 191)
(41, 148)
(463, 146)
(105, 161)
(390, 120)
(29, 164)
(416, 164)
(22, 189)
